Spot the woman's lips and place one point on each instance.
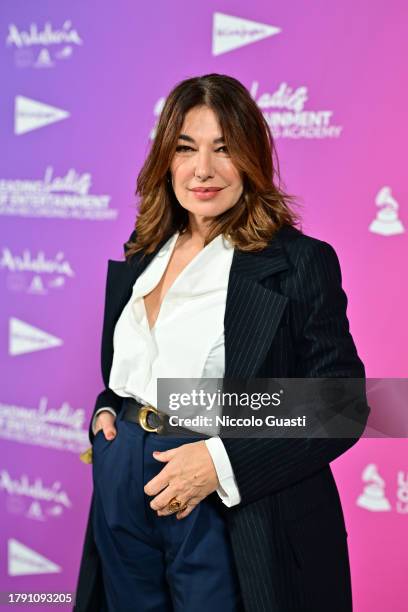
(203, 193)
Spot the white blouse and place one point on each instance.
(186, 341)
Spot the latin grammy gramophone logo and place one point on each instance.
(386, 222)
(373, 496)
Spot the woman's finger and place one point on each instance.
(105, 420)
(183, 513)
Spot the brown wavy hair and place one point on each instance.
(263, 207)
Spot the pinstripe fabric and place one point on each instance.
(285, 317)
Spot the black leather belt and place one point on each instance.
(152, 420)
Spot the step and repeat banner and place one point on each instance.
(82, 86)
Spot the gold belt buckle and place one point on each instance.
(142, 418)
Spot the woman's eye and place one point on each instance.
(187, 148)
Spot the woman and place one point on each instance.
(217, 282)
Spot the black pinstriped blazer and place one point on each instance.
(285, 317)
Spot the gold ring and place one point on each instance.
(175, 505)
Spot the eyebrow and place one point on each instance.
(189, 139)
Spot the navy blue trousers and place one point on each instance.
(155, 563)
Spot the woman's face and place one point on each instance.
(201, 162)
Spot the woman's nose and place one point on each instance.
(204, 166)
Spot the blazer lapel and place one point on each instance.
(252, 312)
(120, 279)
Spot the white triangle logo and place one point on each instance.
(23, 561)
(232, 32)
(25, 338)
(30, 115)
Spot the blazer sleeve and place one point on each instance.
(107, 397)
(324, 348)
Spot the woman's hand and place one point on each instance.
(105, 420)
(189, 475)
